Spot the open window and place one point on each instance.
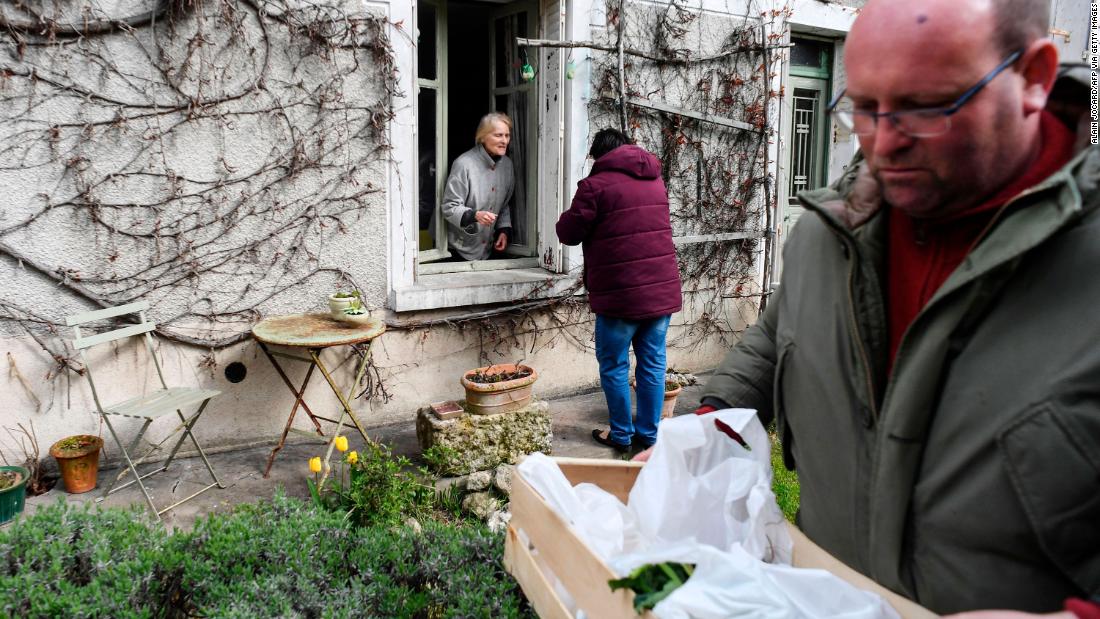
(469, 65)
(465, 62)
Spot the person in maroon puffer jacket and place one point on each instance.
(620, 217)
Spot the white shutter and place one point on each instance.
(551, 131)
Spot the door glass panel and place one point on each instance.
(809, 53)
(804, 141)
(425, 43)
(806, 169)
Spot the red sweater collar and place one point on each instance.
(1055, 150)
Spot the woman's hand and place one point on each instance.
(502, 242)
(485, 218)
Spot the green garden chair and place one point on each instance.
(148, 407)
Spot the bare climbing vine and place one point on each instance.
(703, 91)
(196, 153)
(202, 153)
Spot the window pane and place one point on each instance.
(425, 43)
(502, 56)
(426, 169)
(809, 53)
(509, 61)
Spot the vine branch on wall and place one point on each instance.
(200, 154)
(203, 154)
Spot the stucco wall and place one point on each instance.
(417, 366)
(218, 162)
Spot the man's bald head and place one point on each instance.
(1008, 24)
(1016, 23)
(905, 55)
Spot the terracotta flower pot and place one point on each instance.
(668, 408)
(78, 459)
(488, 398)
(14, 496)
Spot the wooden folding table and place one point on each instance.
(314, 333)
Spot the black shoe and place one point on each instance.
(597, 435)
(639, 443)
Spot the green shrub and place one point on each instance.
(280, 558)
(784, 483)
(440, 458)
(67, 561)
(448, 502)
(378, 489)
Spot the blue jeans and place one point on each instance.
(613, 339)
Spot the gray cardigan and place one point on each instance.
(477, 183)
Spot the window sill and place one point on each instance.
(479, 287)
(478, 265)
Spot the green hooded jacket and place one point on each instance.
(970, 477)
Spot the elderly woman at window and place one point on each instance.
(475, 200)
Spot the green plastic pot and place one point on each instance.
(12, 499)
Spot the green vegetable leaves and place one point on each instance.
(653, 583)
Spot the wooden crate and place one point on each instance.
(585, 576)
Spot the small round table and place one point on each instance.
(315, 333)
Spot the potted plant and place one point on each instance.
(498, 388)
(356, 312)
(674, 385)
(78, 459)
(675, 381)
(37, 482)
(672, 390)
(339, 301)
(13, 483)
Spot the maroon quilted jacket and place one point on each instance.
(620, 215)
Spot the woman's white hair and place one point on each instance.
(485, 126)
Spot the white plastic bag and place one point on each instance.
(599, 518)
(701, 485)
(705, 499)
(736, 584)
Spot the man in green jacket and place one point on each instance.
(932, 356)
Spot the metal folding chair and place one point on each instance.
(147, 407)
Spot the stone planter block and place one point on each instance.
(479, 481)
(481, 504)
(502, 479)
(482, 442)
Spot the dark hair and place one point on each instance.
(607, 140)
(1019, 22)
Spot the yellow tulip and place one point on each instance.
(315, 464)
(353, 457)
(342, 443)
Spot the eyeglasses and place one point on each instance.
(919, 123)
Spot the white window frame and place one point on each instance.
(439, 84)
(412, 286)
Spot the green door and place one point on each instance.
(810, 71)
